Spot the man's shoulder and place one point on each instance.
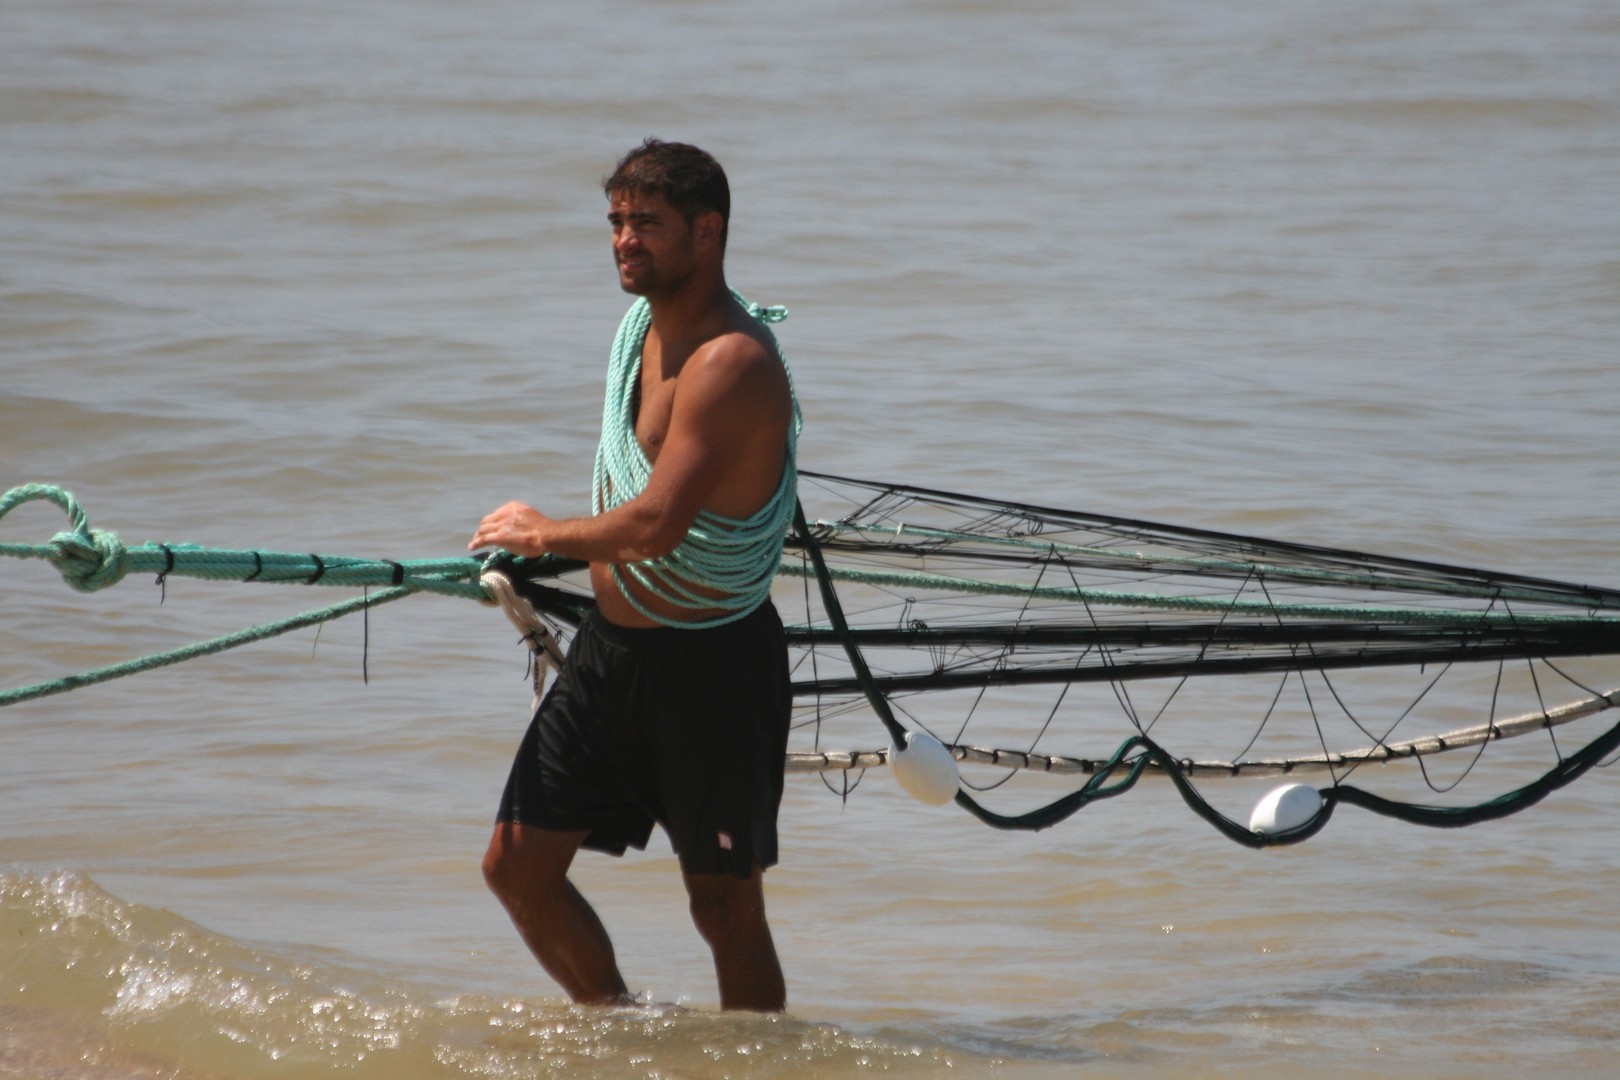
(740, 349)
(739, 374)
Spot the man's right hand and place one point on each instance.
(515, 527)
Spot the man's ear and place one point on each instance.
(709, 228)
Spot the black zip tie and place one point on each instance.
(162, 581)
(258, 567)
(320, 571)
(399, 572)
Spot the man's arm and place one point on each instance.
(725, 396)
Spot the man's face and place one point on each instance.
(652, 243)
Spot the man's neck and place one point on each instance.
(698, 311)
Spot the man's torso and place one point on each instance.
(749, 480)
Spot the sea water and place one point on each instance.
(335, 278)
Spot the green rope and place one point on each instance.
(201, 648)
(90, 559)
(723, 563)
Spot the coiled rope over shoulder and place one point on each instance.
(726, 564)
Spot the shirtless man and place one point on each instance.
(673, 704)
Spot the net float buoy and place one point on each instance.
(1285, 808)
(925, 769)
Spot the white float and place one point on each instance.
(1284, 809)
(925, 769)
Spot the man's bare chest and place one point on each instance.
(654, 406)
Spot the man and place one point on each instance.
(672, 706)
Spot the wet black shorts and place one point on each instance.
(686, 728)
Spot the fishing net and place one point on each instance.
(1061, 656)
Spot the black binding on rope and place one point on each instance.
(162, 581)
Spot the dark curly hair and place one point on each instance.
(691, 180)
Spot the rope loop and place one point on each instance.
(87, 558)
(51, 493)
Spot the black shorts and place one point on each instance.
(686, 728)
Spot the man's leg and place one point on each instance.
(730, 914)
(527, 869)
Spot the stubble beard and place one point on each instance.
(649, 282)
(653, 280)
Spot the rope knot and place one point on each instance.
(773, 313)
(89, 560)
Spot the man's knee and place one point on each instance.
(522, 860)
(500, 860)
(724, 908)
